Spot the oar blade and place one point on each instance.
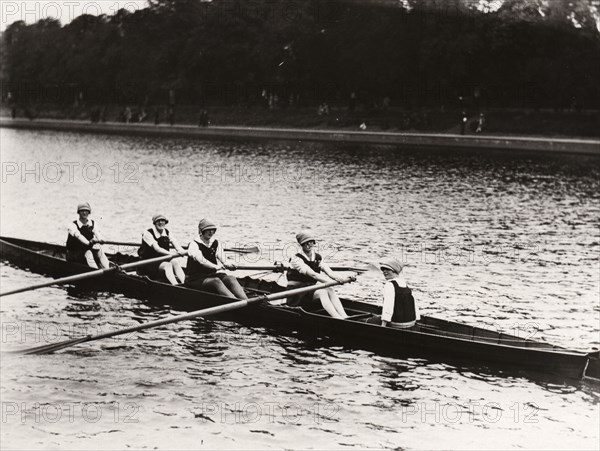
(47, 349)
(243, 250)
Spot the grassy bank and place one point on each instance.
(497, 122)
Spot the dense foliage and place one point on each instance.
(526, 53)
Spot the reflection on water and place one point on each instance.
(502, 240)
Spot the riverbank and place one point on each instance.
(407, 140)
(504, 122)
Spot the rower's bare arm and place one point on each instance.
(327, 270)
(387, 309)
(222, 260)
(97, 236)
(299, 266)
(176, 245)
(315, 275)
(159, 249)
(153, 244)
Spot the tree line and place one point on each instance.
(527, 53)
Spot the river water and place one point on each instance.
(503, 240)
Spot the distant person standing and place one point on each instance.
(13, 107)
(203, 118)
(463, 122)
(480, 123)
(171, 112)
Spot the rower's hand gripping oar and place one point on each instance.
(204, 312)
(239, 250)
(96, 273)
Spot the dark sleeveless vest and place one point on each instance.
(146, 252)
(210, 253)
(73, 244)
(404, 305)
(315, 265)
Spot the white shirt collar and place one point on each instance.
(157, 233)
(314, 254)
(200, 240)
(81, 224)
(400, 279)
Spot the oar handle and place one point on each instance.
(94, 273)
(277, 267)
(122, 243)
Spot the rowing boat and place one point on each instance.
(431, 338)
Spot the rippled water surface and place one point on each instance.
(500, 240)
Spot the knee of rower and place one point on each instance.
(321, 294)
(91, 261)
(229, 279)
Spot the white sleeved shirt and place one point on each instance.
(389, 298)
(150, 241)
(196, 254)
(301, 267)
(74, 231)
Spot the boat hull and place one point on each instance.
(432, 338)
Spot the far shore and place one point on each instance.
(480, 141)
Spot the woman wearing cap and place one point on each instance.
(399, 306)
(156, 242)
(83, 240)
(206, 262)
(307, 269)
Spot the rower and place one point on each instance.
(308, 268)
(206, 265)
(156, 242)
(399, 306)
(84, 241)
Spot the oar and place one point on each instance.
(95, 273)
(283, 266)
(349, 268)
(276, 268)
(239, 250)
(161, 322)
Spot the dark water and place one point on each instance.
(506, 241)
